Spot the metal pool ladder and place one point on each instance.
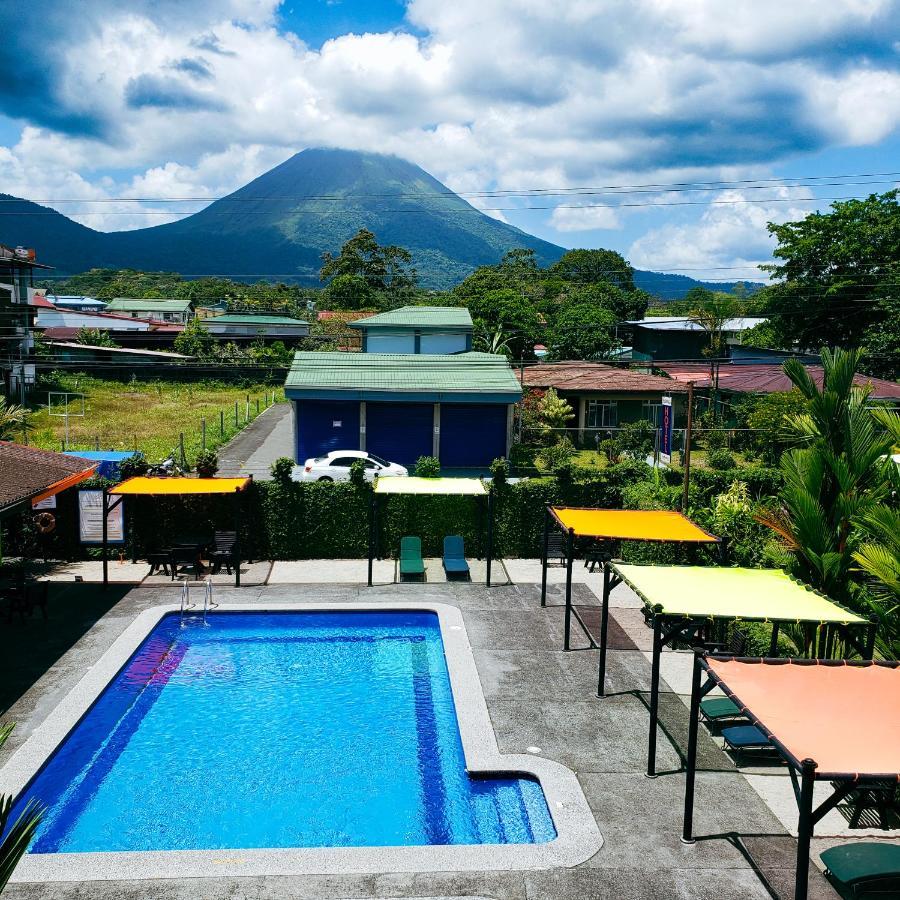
(187, 604)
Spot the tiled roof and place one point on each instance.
(766, 378)
(403, 372)
(419, 317)
(156, 304)
(596, 377)
(25, 472)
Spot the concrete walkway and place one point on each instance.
(253, 450)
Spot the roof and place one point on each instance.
(148, 486)
(631, 524)
(403, 373)
(845, 716)
(766, 378)
(158, 304)
(413, 485)
(28, 473)
(130, 351)
(592, 376)
(41, 301)
(250, 319)
(429, 317)
(682, 323)
(762, 594)
(77, 299)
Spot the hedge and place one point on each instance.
(330, 520)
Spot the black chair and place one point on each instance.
(159, 562)
(555, 550)
(223, 552)
(36, 595)
(185, 557)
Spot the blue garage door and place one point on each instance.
(324, 425)
(472, 435)
(400, 432)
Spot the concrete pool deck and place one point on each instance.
(540, 701)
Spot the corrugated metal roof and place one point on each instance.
(418, 317)
(250, 319)
(403, 372)
(766, 378)
(682, 323)
(596, 377)
(155, 303)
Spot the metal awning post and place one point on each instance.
(654, 694)
(105, 529)
(237, 537)
(687, 833)
(610, 582)
(544, 550)
(805, 827)
(570, 557)
(490, 534)
(371, 534)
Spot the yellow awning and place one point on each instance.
(473, 487)
(763, 594)
(170, 486)
(631, 524)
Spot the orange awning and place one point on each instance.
(63, 484)
(845, 717)
(631, 524)
(171, 486)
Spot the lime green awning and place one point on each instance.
(762, 594)
(467, 486)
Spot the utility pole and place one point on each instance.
(687, 446)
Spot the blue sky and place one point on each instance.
(157, 99)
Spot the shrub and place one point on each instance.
(720, 460)
(207, 463)
(358, 473)
(428, 467)
(559, 454)
(610, 448)
(281, 469)
(636, 439)
(133, 466)
(499, 472)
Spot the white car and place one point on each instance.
(335, 466)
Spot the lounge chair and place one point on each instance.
(743, 738)
(411, 563)
(715, 709)
(866, 865)
(455, 557)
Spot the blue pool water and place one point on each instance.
(279, 730)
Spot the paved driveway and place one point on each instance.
(264, 440)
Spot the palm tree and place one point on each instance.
(836, 478)
(22, 830)
(711, 314)
(11, 419)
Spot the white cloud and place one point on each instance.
(584, 218)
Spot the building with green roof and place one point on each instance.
(457, 407)
(417, 329)
(249, 325)
(158, 309)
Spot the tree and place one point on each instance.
(582, 331)
(508, 311)
(595, 266)
(711, 311)
(834, 268)
(194, 340)
(882, 338)
(553, 413)
(384, 269)
(838, 477)
(94, 337)
(17, 835)
(12, 419)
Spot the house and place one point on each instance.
(604, 396)
(178, 312)
(417, 329)
(763, 378)
(77, 302)
(401, 406)
(677, 337)
(53, 317)
(231, 326)
(112, 357)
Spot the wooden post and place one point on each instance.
(203, 434)
(222, 424)
(687, 446)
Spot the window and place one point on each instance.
(651, 411)
(601, 414)
(344, 462)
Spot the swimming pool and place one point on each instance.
(279, 729)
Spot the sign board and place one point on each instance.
(46, 503)
(90, 519)
(666, 431)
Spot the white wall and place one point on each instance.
(442, 343)
(391, 343)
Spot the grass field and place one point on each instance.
(148, 416)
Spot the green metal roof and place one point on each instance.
(127, 304)
(250, 319)
(481, 373)
(428, 317)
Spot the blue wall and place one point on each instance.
(324, 425)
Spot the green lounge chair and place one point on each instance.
(863, 866)
(455, 557)
(715, 709)
(411, 563)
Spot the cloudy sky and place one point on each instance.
(637, 100)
